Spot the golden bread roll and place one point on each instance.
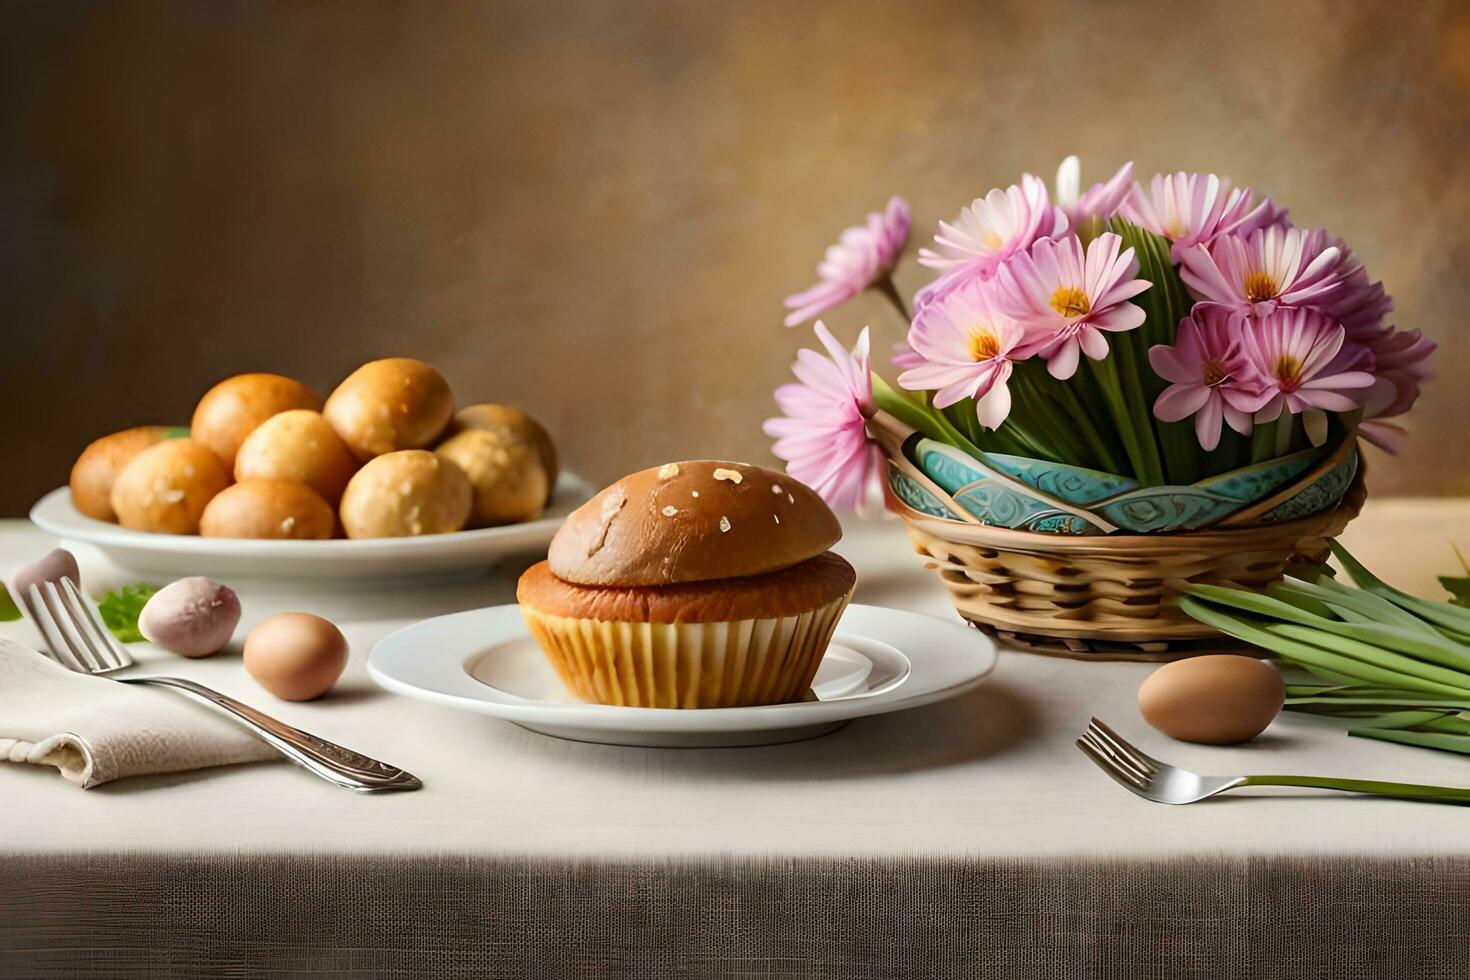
(96, 469)
(166, 487)
(232, 409)
(406, 493)
(492, 417)
(505, 472)
(268, 509)
(388, 405)
(298, 446)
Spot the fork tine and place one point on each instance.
(66, 622)
(1119, 761)
(56, 642)
(1145, 762)
(113, 656)
(1128, 782)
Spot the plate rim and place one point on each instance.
(982, 658)
(55, 514)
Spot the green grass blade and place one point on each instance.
(1375, 607)
(1375, 655)
(1283, 592)
(1318, 661)
(1440, 613)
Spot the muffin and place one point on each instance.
(700, 584)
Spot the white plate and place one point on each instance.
(430, 556)
(485, 660)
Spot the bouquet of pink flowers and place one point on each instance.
(1164, 333)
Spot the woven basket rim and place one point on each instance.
(1129, 544)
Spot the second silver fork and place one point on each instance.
(80, 642)
(1143, 775)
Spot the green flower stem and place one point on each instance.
(1082, 416)
(1032, 418)
(1131, 420)
(888, 291)
(1263, 440)
(922, 418)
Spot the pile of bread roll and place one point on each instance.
(385, 456)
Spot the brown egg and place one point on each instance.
(299, 447)
(268, 509)
(493, 417)
(388, 405)
(232, 409)
(296, 656)
(1216, 700)
(166, 487)
(406, 494)
(96, 469)
(505, 473)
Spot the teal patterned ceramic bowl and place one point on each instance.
(1039, 495)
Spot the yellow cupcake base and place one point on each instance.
(687, 665)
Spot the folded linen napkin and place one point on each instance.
(94, 729)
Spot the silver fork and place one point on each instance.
(78, 641)
(1145, 776)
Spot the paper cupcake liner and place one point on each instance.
(687, 665)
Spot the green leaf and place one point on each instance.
(1445, 617)
(1458, 585)
(120, 610)
(9, 611)
(1164, 305)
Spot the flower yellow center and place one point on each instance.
(1288, 371)
(1214, 373)
(1259, 286)
(984, 344)
(1070, 301)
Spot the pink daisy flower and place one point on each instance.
(1213, 380)
(1099, 200)
(1361, 306)
(822, 435)
(1401, 366)
(965, 344)
(1195, 209)
(1272, 267)
(863, 255)
(1295, 354)
(905, 357)
(987, 233)
(1065, 298)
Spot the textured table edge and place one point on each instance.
(114, 915)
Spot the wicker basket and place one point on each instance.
(1106, 597)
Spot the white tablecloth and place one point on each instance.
(986, 780)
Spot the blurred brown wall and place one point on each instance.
(593, 209)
